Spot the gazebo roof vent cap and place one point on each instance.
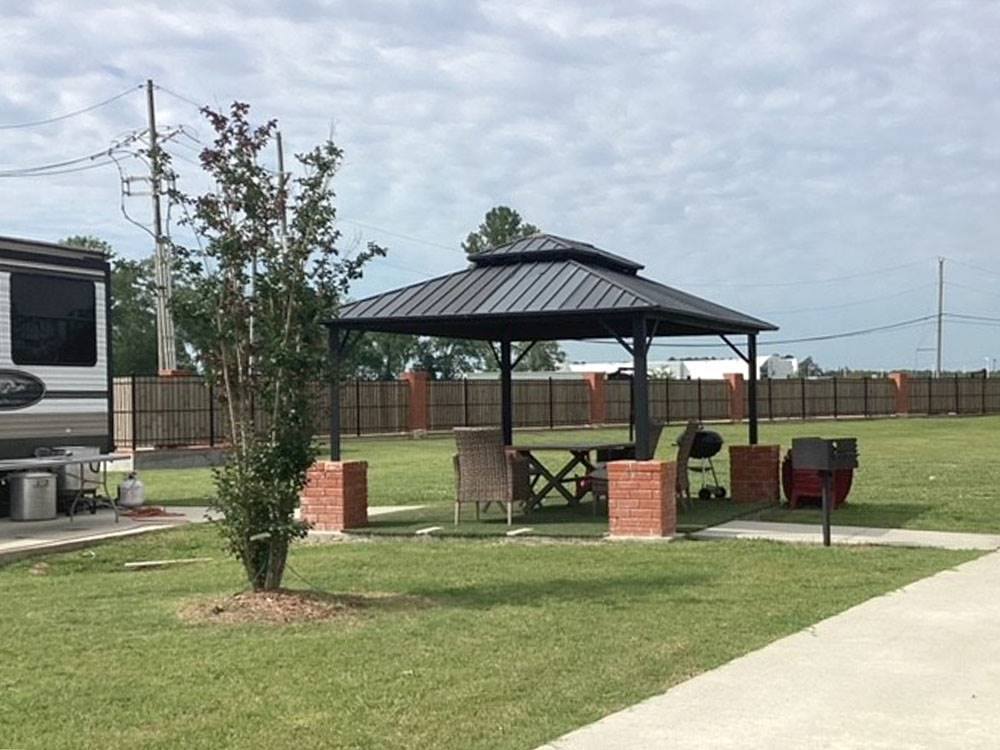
(539, 248)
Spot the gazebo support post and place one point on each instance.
(506, 394)
(752, 387)
(333, 349)
(640, 389)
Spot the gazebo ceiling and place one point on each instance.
(543, 287)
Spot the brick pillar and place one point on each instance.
(736, 395)
(753, 473)
(336, 495)
(419, 383)
(902, 382)
(642, 498)
(598, 405)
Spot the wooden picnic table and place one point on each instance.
(579, 455)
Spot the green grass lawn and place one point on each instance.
(916, 473)
(512, 644)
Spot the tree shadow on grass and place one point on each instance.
(612, 590)
(880, 515)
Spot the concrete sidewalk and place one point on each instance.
(21, 538)
(915, 668)
(812, 534)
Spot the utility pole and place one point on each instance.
(166, 351)
(940, 315)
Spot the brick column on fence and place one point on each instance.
(642, 498)
(598, 404)
(753, 473)
(336, 495)
(902, 382)
(736, 395)
(418, 418)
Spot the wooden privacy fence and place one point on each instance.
(954, 395)
(180, 411)
(803, 398)
(537, 403)
(183, 411)
(671, 400)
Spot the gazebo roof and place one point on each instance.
(543, 287)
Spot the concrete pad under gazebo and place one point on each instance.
(545, 288)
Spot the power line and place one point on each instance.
(401, 236)
(55, 165)
(183, 98)
(84, 168)
(962, 316)
(59, 118)
(857, 303)
(852, 334)
(975, 268)
(900, 325)
(801, 282)
(973, 289)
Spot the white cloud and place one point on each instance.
(718, 143)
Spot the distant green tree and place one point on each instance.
(544, 356)
(501, 225)
(133, 309)
(380, 356)
(449, 359)
(809, 369)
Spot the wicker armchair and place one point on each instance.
(599, 476)
(487, 472)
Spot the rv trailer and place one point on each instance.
(55, 348)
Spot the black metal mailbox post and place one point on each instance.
(825, 456)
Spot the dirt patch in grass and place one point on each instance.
(287, 607)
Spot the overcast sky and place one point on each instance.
(746, 152)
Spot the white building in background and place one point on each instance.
(772, 366)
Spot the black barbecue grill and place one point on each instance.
(706, 445)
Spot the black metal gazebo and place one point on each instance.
(545, 288)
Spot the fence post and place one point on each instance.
(958, 402)
(357, 407)
(596, 382)
(699, 400)
(666, 397)
(211, 414)
(982, 396)
(835, 397)
(902, 382)
(865, 381)
(736, 394)
(465, 402)
(770, 399)
(803, 398)
(135, 418)
(930, 399)
(419, 416)
(552, 415)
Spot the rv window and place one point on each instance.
(53, 321)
